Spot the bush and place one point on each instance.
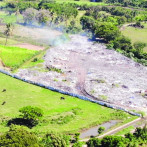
(139, 46)
(113, 141)
(93, 142)
(55, 140)
(77, 144)
(33, 114)
(122, 43)
(76, 137)
(18, 137)
(106, 30)
(101, 130)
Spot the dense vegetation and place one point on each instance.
(20, 136)
(138, 138)
(104, 22)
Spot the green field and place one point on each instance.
(137, 34)
(9, 42)
(82, 2)
(125, 131)
(6, 18)
(13, 57)
(69, 115)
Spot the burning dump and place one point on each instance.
(88, 68)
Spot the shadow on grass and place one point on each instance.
(21, 121)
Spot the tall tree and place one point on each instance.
(8, 31)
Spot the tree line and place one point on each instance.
(105, 23)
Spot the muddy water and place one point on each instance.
(93, 131)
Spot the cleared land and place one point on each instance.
(67, 115)
(136, 34)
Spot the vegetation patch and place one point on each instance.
(20, 94)
(13, 57)
(55, 69)
(125, 131)
(65, 117)
(136, 34)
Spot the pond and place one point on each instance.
(93, 131)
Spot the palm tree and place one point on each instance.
(8, 31)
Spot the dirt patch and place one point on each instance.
(30, 46)
(39, 35)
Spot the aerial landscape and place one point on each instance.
(73, 73)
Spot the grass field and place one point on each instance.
(136, 34)
(13, 57)
(69, 115)
(9, 42)
(82, 2)
(125, 131)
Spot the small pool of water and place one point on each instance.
(93, 131)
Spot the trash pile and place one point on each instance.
(104, 74)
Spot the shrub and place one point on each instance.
(76, 137)
(77, 144)
(55, 140)
(33, 114)
(139, 46)
(18, 136)
(101, 130)
(93, 142)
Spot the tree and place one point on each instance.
(77, 144)
(113, 141)
(33, 114)
(18, 137)
(122, 43)
(87, 22)
(55, 140)
(93, 142)
(101, 130)
(76, 137)
(29, 15)
(8, 31)
(106, 30)
(43, 16)
(139, 46)
(141, 133)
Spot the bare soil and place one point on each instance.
(30, 46)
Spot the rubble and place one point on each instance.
(103, 73)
